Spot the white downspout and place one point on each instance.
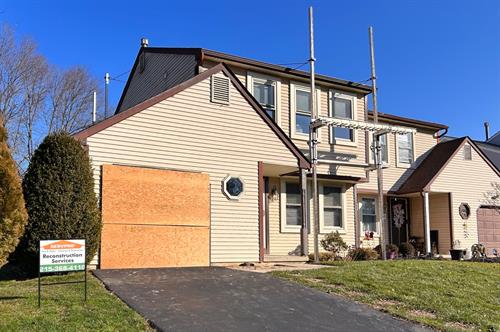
(427, 224)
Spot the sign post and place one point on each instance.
(61, 256)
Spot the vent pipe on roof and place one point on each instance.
(144, 42)
(487, 130)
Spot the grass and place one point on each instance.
(449, 296)
(63, 308)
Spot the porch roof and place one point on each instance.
(435, 162)
(344, 178)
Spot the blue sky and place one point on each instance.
(436, 60)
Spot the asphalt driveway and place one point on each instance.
(220, 299)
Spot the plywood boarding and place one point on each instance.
(144, 246)
(154, 218)
(468, 181)
(133, 195)
(224, 139)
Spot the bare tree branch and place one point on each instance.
(71, 100)
(36, 99)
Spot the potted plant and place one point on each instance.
(457, 253)
(392, 251)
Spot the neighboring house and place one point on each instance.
(495, 139)
(201, 165)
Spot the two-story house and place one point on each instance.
(206, 158)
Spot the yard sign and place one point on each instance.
(61, 256)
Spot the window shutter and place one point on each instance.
(220, 89)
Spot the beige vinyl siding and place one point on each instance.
(394, 176)
(288, 243)
(188, 132)
(439, 216)
(468, 181)
(324, 145)
(240, 73)
(372, 243)
(355, 154)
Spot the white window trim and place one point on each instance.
(371, 160)
(360, 209)
(294, 86)
(354, 102)
(399, 163)
(224, 190)
(284, 228)
(251, 76)
(327, 229)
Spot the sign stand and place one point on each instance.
(61, 256)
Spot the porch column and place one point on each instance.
(357, 224)
(427, 223)
(303, 205)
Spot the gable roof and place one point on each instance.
(202, 54)
(434, 163)
(495, 139)
(404, 120)
(206, 53)
(302, 159)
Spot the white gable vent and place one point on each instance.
(467, 152)
(220, 89)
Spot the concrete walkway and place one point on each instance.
(221, 299)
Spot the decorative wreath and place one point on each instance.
(464, 211)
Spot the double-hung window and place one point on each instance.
(332, 217)
(405, 149)
(384, 147)
(302, 111)
(291, 209)
(266, 91)
(300, 102)
(368, 215)
(342, 106)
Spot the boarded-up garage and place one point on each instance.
(488, 228)
(154, 218)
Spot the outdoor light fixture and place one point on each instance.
(273, 195)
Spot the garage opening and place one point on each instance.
(488, 228)
(154, 218)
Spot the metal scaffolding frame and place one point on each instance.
(319, 121)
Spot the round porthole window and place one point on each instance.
(233, 187)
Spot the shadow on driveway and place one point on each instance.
(220, 299)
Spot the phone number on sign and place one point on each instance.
(62, 268)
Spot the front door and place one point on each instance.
(399, 219)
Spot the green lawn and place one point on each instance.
(450, 296)
(63, 308)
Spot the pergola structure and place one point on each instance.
(377, 130)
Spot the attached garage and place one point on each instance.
(488, 228)
(154, 218)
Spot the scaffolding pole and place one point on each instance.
(313, 139)
(378, 149)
